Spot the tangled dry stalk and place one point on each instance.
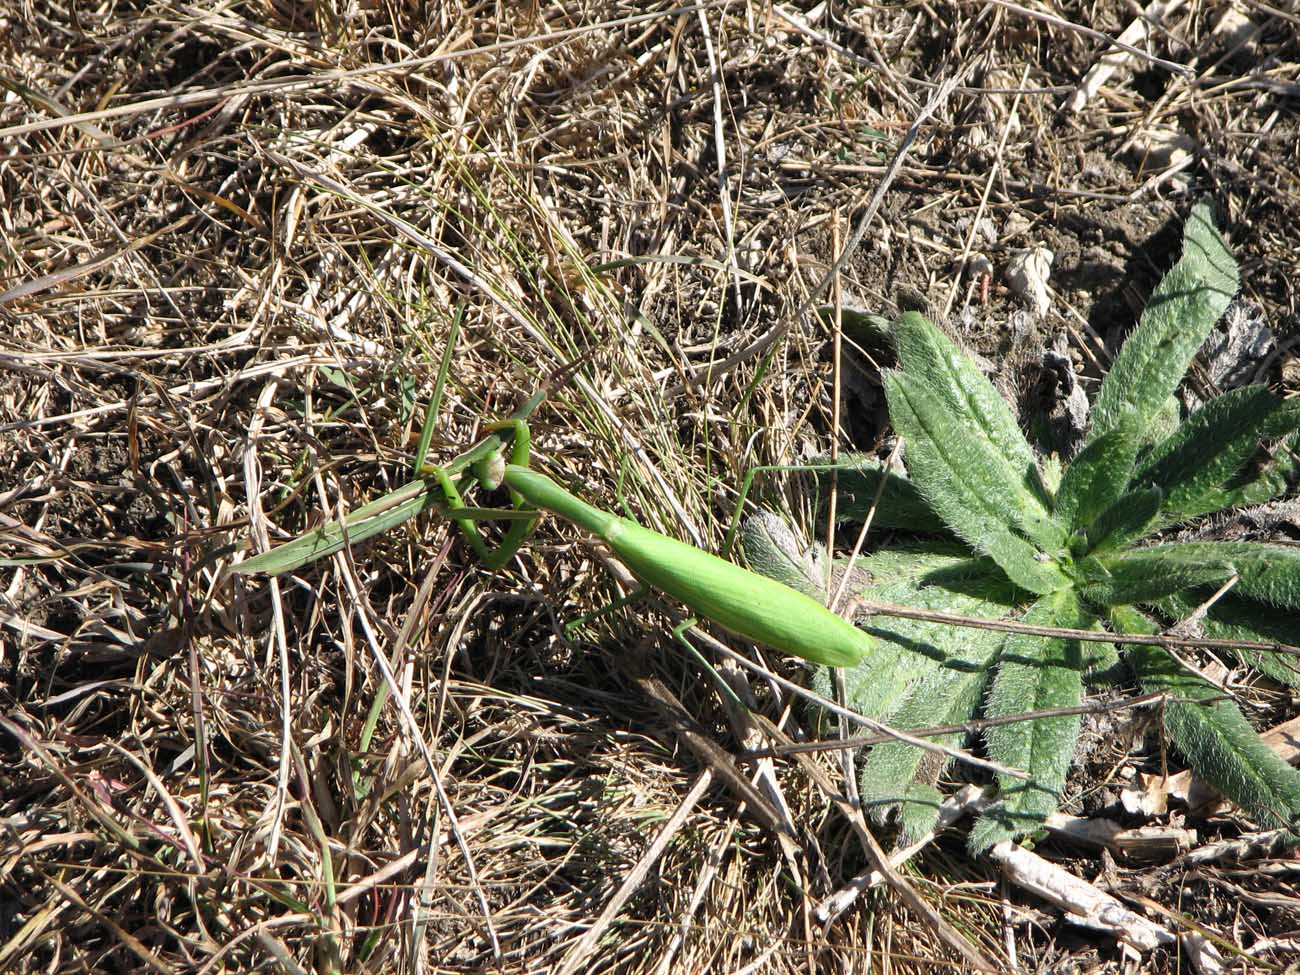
(246, 247)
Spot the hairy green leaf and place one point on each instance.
(1268, 573)
(1278, 476)
(1182, 310)
(1231, 618)
(1213, 735)
(911, 650)
(858, 480)
(898, 775)
(947, 565)
(1096, 478)
(1127, 520)
(869, 330)
(965, 483)
(1148, 574)
(930, 357)
(1210, 448)
(772, 549)
(1034, 673)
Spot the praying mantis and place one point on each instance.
(745, 603)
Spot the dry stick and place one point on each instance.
(1084, 903)
(1184, 626)
(720, 150)
(1101, 71)
(782, 328)
(763, 796)
(928, 175)
(866, 526)
(847, 764)
(129, 941)
(970, 798)
(979, 724)
(278, 637)
(702, 884)
(718, 759)
(193, 389)
(580, 952)
(413, 729)
(797, 21)
(65, 275)
(877, 726)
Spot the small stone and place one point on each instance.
(1027, 274)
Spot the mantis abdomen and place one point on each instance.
(752, 606)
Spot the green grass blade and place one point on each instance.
(1183, 308)
(439, 389)
(1213, 735)
(1034, 673)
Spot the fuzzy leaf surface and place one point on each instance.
(928, 355)
(1268, 573)
(772, 549)
(1210, 448)
(1279, 476)
(901, 505)
(1148, 574)
(965, 483)
(897, 775)
(1213, 735)
(1127, 520)
(1096, 478)
(1034, 673)
(942, 578)
(1182, 310)
(948, 671)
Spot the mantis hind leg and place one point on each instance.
(571, 627)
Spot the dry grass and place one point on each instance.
(235, 241)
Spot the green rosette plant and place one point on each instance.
(1089, 548)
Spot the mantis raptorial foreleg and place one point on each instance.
(488, 471)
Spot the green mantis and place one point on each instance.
(746, 604)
